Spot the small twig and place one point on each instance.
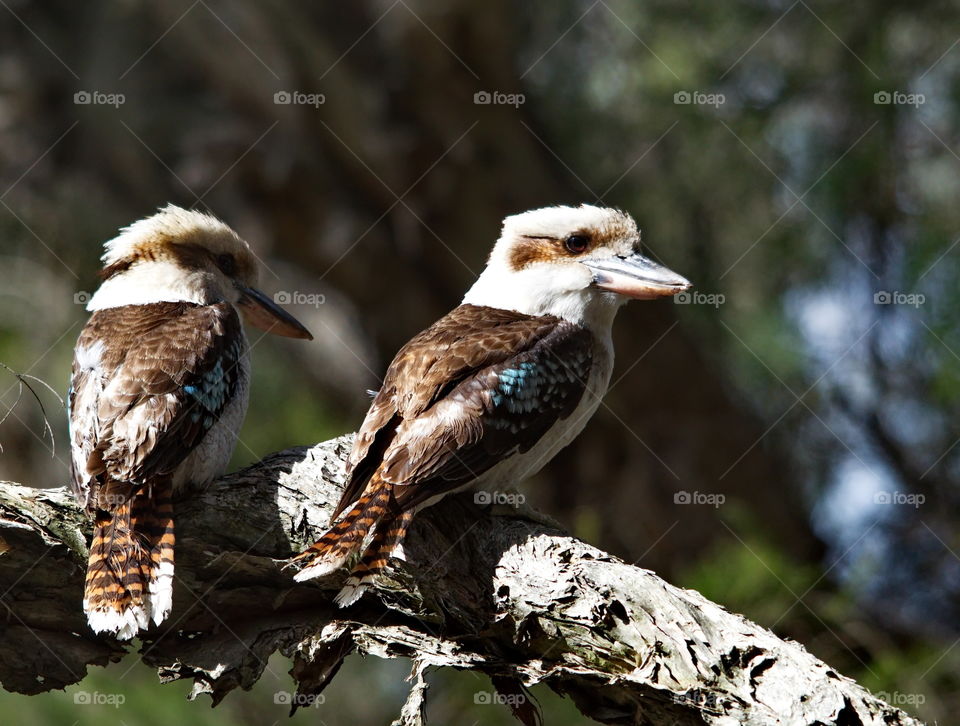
(22, 381)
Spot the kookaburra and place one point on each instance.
(492, 391)
(158, 393)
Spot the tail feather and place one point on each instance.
(346, 537)
(130, 570)
(387, 542)
(160, 524)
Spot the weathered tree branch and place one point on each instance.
(501, 595)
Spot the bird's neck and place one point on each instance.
(159, 281)
(539, 293)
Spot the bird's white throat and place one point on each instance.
(563, 291)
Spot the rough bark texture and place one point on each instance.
(498, 594)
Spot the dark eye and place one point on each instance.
(576, 243)
(227, 265)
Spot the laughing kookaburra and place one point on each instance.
(158, 393)
(491, 392)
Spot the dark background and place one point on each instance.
(803, 400)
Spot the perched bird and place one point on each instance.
(492, 391)
(157, 395)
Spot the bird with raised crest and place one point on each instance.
(158, 393)
(492, 391)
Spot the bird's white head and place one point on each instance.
(182, 255)
(577, 263)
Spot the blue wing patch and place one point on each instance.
(213, 388)
(535, 386)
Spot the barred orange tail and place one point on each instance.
(130, 571)
(386, 543)
(344, 538)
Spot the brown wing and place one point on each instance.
(448, 409)
(501, 410)
(148, 383)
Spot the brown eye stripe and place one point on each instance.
(529, 249)
(190, 255)
(184, 254)
(526, 249)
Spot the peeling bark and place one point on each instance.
(502, 595)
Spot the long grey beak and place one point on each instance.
(636, 276)
(262, 312)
